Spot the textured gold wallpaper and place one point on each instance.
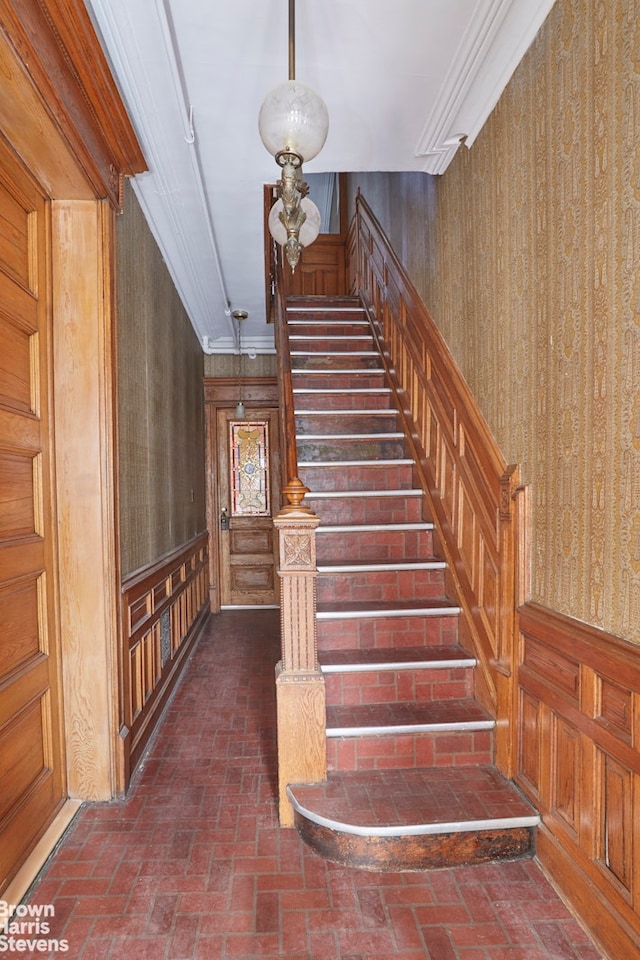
(160, 402)
(527, 254)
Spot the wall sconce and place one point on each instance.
(293, 124)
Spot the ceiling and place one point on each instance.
(403, 80)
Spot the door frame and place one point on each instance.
(221, 393)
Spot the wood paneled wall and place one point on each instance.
(163, 610)
(579, 762)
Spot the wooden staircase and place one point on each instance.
(409, 749)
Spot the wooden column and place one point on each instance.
(82, 233)
(300, 691)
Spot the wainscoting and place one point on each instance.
(163, 609)
(579, 763)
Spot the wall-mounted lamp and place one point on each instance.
(293, 124)
(239, 316)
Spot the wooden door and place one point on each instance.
(32, 782)
(248, 455)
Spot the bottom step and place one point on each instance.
(415, 819)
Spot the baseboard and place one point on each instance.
(34, 863)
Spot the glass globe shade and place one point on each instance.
(293, 118)
(309, 229)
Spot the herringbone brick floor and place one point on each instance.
(193, 866)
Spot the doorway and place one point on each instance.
(247, 481)
(243, 493)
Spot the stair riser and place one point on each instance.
(330, 342)
(342, 401)
(331, 424)
(385, 586)
(381, 545)
(336, 450)
(410, 750)
(366, 509)
(393, 686)
(370, 633)
(332, 379)
(347, 361)
(329, 331)
(372, 477)
(417, 853)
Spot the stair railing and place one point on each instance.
(300, 690)
(475, 497)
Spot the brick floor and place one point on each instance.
(193, 866)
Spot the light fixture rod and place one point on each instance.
(292, 39)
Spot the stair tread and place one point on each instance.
(437, 715)
(404, 802)
(386, 658)
(399, 607)
(373, 492)
(373, 566)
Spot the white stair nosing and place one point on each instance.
(382, 730)
(337, 353)
(398, 665)
(388, 613)
(338, 494)
(414, 527)
(384, 412)
(325, 390)
(322, 337)
(338, 371)
(325, 309)
(350, 436)
(415, 829)
(398, 462)
(381, 567)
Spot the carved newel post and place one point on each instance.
(302, 754)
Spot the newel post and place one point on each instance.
(300, 693)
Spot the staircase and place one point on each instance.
(411, 783)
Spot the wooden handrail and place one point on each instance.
(287, 414)
(471, 490)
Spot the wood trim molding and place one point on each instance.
(57, 73)
(579, 763)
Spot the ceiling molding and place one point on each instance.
(497, 39)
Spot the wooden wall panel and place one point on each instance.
(164, 608)
(579, 762)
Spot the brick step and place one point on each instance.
(339, 422)
(407, 819)
(357, 475)
(404, 734)
(345, 360)
(383, 735)
(329, 341)
(376, 585)
(363, 542)
(411, 750)
(363, 506)
(373, 398)
(323, 379)
(345, 327)
(364, 446)
(323, 306)
(410, 623)
(359, 677)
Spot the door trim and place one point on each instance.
(221, 393)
